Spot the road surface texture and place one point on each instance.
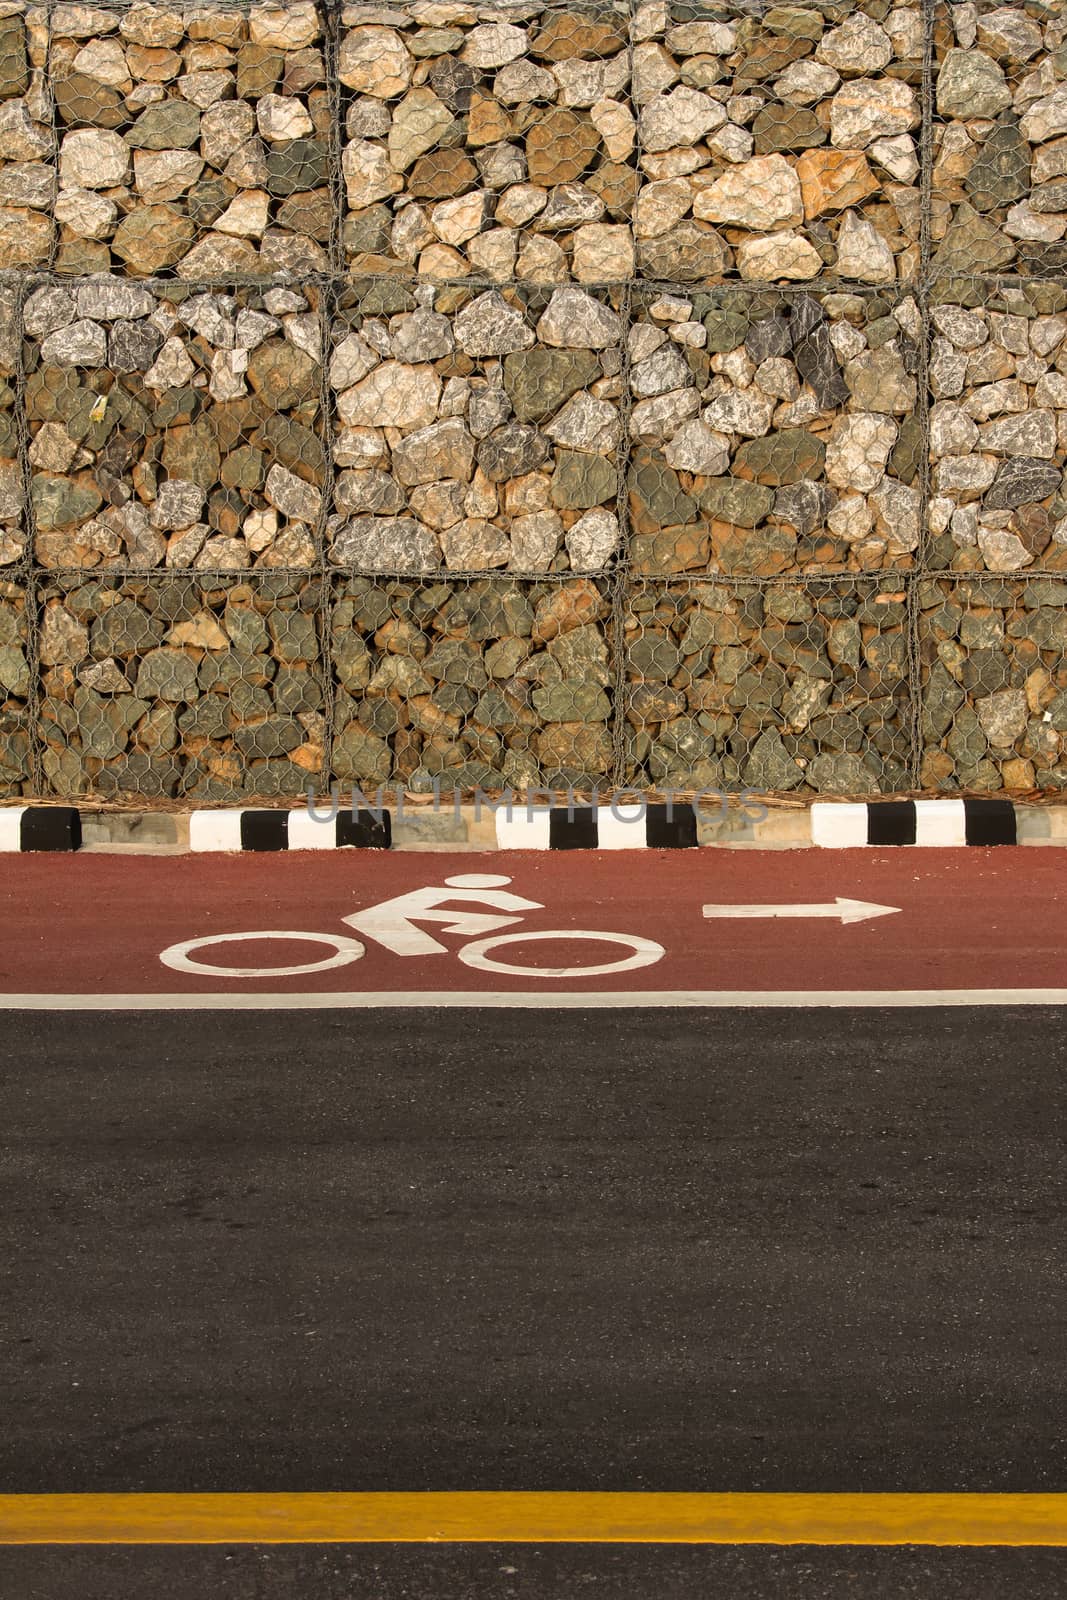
(715, 1248)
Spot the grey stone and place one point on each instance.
(1020, 482)
(770, 767)
(512, 451)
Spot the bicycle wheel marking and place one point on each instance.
(644, 953)
(178, 955)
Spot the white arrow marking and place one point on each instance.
(844, 910)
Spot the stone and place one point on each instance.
(511, 452)
(841, 773)
(574, 320)
(418, 123)
(763, 193)
(972, 243)
(559, 147)
(171, 125)
(680, 118)
(291, 495)
(374, 61)
(781, 458)
(489, 326)
(833, 180)
(367, 173)
(588, 424)
(862, 252)
(538, 382)
(858, 450)
(782, 255)
(970, 84)
(444, 450)
(392, 396)
(1002, 551)
(687, 253)
(698, 448)
(770, 767)
(384, 544)
(152, 238)
(494, 44)
(1003, 717)
(735, 501)
(64, 641)
(1001, 172)
(603, 253)
(1021, 482)
(866, 109)
(79, 344)
(592, 540)
(582, 481)
(93, 159)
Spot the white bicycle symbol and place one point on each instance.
(394, 925)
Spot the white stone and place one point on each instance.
(858, 449)
(291, 495)
(165, 174)
(228, 368)
(93, 159)
(897, 156)
(616, 126)
(489, 326)
(352, 359)
(1031, 434)
(86, 214)
(658, 419)
(586, 424)
(804, 82)
(762, 193)
(1002, 552)
(520, 204)
(574, 320)
(862, 253)
(698, 448)
(374, 61)
(660, 205)
(246, 216)
(743, 411)
(583, 83)
(178, 505)
(731, 143)
(665, 369)
(280, 117)
(392, 396)
(603, 253)
(81, 344)
(592, 540)
(522, 82)
(864, 110)
(785, 255)
(367, 174)
(681, 117)
(105, 61)
(535, 538)
(492, 254)
(858, 45)
(289, 27)
(172, 368)
(952, 431)
(494, 44)
(456, 221)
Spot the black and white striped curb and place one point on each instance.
(621, 827)
(40, 828)
(922, 822)
(288, 830)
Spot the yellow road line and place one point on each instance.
(535, 1518)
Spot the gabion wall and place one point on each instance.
(669, 396)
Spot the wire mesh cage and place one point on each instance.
(488, 141)
(203, 688)
(778, 143)
(16, 771)
(477, 428)
(174, 425)
(490, 683)
(788, 687)
(27, 144)
(193, 141)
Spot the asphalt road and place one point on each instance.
(468, 1249)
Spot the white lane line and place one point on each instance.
(553, 999)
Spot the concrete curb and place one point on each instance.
(656, 826)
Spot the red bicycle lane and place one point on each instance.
(959, 920)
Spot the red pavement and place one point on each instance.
(968, 919)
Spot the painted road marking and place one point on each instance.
(553, 999)
(843, 910)
(517, 1517)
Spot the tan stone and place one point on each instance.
(833, 180)
(559, 147)
(488, 122)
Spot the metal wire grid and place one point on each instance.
(623, 589)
